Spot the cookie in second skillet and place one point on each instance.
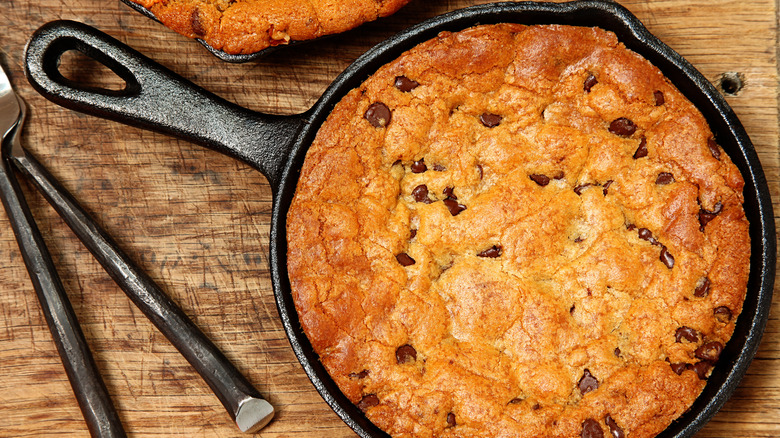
(518, 231)
(248, 26)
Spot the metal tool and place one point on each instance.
(83, 374)
(242, 401)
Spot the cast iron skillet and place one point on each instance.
(158, 99)
(221, 54)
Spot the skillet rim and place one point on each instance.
(724, 123)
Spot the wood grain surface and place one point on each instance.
(198, 222)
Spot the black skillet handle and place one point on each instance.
(156, 98)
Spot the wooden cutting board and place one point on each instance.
(198, 222)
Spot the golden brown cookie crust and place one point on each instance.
(248, 26)
(576, 259)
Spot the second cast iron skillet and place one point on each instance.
(158, 99)
(221, 54)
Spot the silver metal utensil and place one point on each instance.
(242, 401)
(84, 376)
(9, 106)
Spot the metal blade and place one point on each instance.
(9, 106)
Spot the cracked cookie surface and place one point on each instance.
(518, 231)
(248, 26)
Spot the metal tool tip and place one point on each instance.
(253, 414)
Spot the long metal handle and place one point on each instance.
(242, 401)
(156, 98)
(84, 376)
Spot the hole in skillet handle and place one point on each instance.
(66, 53)
(729, 133)
(78, 68)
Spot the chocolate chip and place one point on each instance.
(412, 234)
(714, 149)
(451, 420)
(678, 368)
(667, 258)
(590, 81)
(686, 333)
(449, 192)
(368, 401)
(664, 178)
(490, 120)
(710, 351)
(419, 166)
(631, 227)
(361, 375)
(378, 115)
(622, 127)
(606, 186)
(614, 429)
(587, 382)
(617, 352)
(420, 194)
(591, 429)
(405, 84)
(700, 368)
(536, 407)
(453, 206)
(659, 98)
(722, 314)
(578, 239)
(580, 188)
(706, 216)
(542, 180)
(439, 168)
(404, 259)
(480, 171)
(492, 252)
(559, 175)
(197, 25)
(515, 401)
(641, 151)
(405, 353)
(647, 235)
(572, 309)
(702, 288)
(718, 208)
